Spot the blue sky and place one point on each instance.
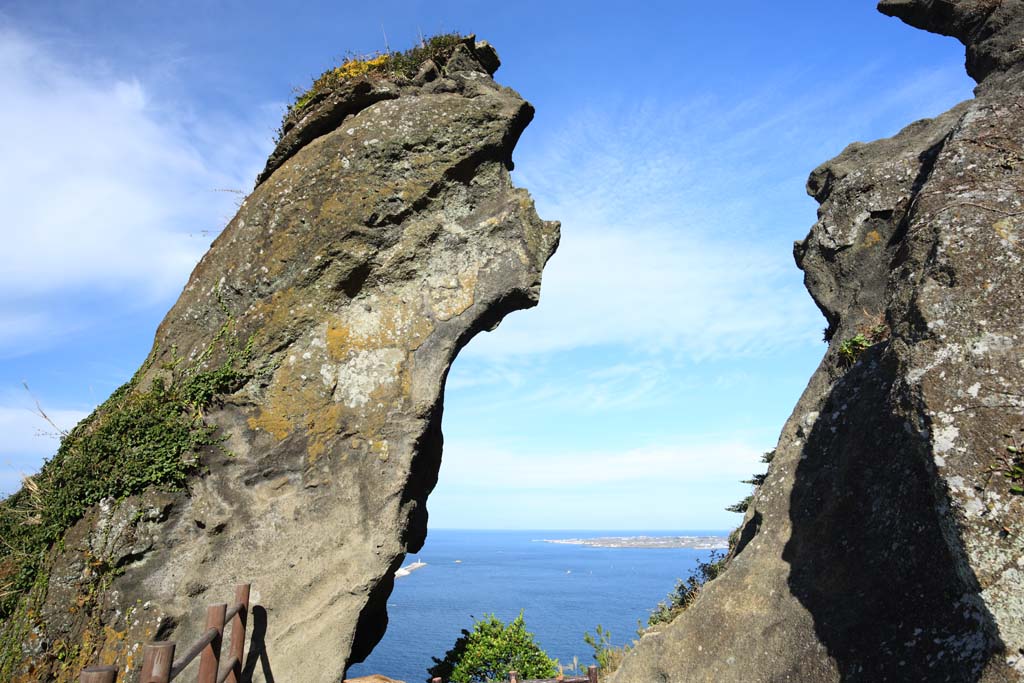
(672, 139)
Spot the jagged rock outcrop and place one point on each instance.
(886, 542)
(383, 235)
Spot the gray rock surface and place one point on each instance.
(383, 235)
(886, 543)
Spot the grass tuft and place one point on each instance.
(383, 65)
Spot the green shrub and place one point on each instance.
(490, 651)
(756, 481)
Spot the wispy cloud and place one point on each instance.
(672, 485)
(681, 462)
(107, 196)
(655, 255)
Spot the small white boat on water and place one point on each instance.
(409, 569)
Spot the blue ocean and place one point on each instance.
(563, 590)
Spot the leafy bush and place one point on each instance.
(490, 651)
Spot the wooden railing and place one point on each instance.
(513, 677)
(159, 665)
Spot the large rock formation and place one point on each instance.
(384, 234)
(886, 543)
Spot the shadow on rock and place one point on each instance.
(875, 555)
(258, 648)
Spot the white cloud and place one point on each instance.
(680, 485)
(655, 290)
(105, 194)
(685, 463)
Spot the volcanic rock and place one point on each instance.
(383, 235)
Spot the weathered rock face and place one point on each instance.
(383, 235)
(883, 546)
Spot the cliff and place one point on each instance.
(886, 542)
(286, 427)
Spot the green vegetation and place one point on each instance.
(490, 651)
(1011, 465)
(404, 64)
(851, 348)
(741, 506)
(607, 656)
(686, 591)
(866, 337)
(140, 437)
(755, 480)
(17, 627)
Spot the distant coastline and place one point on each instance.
(696, 542)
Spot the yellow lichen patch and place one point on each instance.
(390, 323)
(448, 302)
(872, 238)
(322, 425)
(1002, 228)
(348, 374)
(278, 426)
(292, 395)
(112, 646)
(379, 447)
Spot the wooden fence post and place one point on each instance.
(238, 623)
(98, 674)
(592, 674)
(157, 659)
(209, 661)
